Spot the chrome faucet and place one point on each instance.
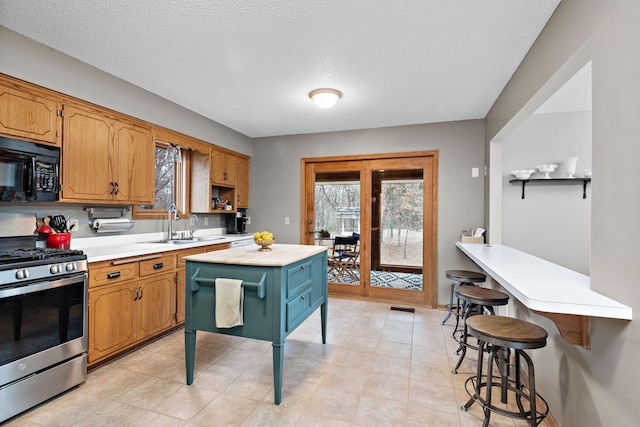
(192, 225)
(173, 211)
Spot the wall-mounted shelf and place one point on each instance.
(582, 181)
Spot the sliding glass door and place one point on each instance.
(377, 217)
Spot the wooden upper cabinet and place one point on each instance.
(29, 113)
(242, 186)
(135, 156)
(86, 156)
(106, 160)
(223, 168)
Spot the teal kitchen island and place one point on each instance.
(282, 287)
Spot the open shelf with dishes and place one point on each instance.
(582, 181)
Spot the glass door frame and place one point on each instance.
(426, 160)
(308, 226)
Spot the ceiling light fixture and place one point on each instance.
(325, 97)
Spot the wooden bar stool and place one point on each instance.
(499, 335)
(461, 277)
(475, 300)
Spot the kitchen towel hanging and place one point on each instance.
(112, 225)
(229, 303)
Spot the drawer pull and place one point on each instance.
(302, 297)
(158, 266)
(130, 260)
(113, 275)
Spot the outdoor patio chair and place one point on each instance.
(343, 257)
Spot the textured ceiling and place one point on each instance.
(249, 65)
(574, 95)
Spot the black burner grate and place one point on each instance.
(33, 254)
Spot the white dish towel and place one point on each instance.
(229, 303)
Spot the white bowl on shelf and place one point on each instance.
(546, 169)
(522, 173)
(586, 173)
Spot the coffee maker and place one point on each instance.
(237, 223)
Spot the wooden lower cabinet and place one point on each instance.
(129, 302)
(112, 323)
(122, 314)
(156, 305)
(133, 300)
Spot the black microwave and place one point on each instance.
(29, 172)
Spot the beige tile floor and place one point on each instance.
(378, 368)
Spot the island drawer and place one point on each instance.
(298, 279)
(297, 309)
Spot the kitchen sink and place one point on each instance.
(207, 238)
(184, 241)
(173, 241)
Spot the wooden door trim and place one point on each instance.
(430, 246)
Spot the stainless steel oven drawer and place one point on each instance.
(26, 393)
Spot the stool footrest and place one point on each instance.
(471, 385)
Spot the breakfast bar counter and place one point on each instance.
(553, 291)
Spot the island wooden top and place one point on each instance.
(278, 256)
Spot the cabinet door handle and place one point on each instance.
(113, 188)
(117, 188)
(158, 266)
(302, 298)
(141, 292)
(137, 297)
(113, 275)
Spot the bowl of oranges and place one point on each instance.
(264, 239)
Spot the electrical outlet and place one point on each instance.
(73, 224)
(248, 220)
(206, 220)
(286, 220)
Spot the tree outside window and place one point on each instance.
(170, 183)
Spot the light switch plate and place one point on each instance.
(206, 220)
(475, 172)
(73, 224)
(248, 220)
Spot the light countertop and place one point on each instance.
(278, 256)
(104, 248)
(541, 285)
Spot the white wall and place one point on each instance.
(275, 179)
(553, 222)
(596, 387)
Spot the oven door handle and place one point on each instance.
(40, 286)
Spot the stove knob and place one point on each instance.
(72, 266)
(55, 269)
(22, 274)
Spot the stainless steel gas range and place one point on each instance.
(43, 317)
